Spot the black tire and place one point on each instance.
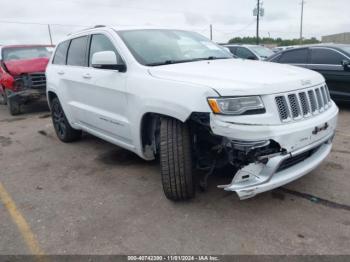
(64, 131)
(176, 160)
(13, 107)
(3, 97)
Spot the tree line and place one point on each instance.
(275, 41)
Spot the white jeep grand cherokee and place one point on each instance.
(176, 95)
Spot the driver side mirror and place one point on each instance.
(106, 60)
(346, 65)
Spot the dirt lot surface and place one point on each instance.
(91, 197)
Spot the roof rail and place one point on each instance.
(88, 28)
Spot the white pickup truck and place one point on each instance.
(177, 96)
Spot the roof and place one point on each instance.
(126, 27)
(335, 46)
(246, 45)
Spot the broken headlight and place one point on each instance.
(237, 105)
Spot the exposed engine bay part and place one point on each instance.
(212, 152)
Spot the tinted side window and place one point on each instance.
(232, 49)
(77, 52)
(294, 57)
(244, 53)
(326, 56)
(101, 43)
(61, 54)
(275, 58)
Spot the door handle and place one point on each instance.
(87, 76)
(60, 72)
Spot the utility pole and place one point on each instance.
(48, 27)
(301, 21)
(257, 22)
(211, 32)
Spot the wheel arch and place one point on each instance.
(149, 129)
(50, 96)
(150, 124)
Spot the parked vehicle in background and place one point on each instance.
(177, 96)
(252, 52)
(332, 61)
(278, 49)
(22, 74)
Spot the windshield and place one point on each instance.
(262, 51)
(158, 47)
(21, 53)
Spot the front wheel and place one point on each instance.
(14, 107)
(64, 130)
(176, 160)
(3, 97)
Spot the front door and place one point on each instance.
(104, 95)
(327, 62)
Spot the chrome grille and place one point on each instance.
(319, 99)
(302, 104)
(328, 95)
(312, 100)
(38, 80)
(282, 107)
(324, 96)
(294, 105)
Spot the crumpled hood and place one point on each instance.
(240, 77)
(18, 67)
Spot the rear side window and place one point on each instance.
(326, 57)
(244, 53)
(61, 53)
(77, 52)
(294, 57)
(100, 43)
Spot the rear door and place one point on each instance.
(328, 61)
(56, 74)
(73, 77)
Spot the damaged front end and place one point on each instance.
(257, 165)
(27, 87)
(277, 168)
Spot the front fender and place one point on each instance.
(164, 97)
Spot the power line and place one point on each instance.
(132, 7)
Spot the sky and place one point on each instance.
(230, 18)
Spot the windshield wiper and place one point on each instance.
(169, 62)
(166, 62)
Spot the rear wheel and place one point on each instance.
(176, 160)
(63, 129)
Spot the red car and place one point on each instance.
(22, 74)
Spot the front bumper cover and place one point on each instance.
(313, 136)
(26, 95)
(258, 178)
